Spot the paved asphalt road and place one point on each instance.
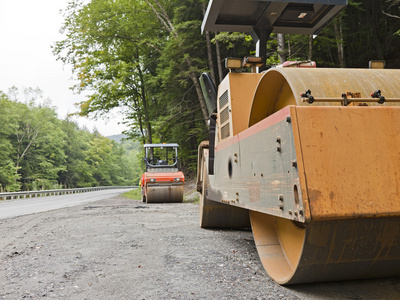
(20, 207)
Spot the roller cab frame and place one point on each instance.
(162, 181)
(309, 159)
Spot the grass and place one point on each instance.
(191, 198)
(133, 194)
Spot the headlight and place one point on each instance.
(177, 179)
(153, 180)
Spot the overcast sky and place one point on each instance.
(27, 30)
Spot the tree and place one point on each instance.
(39, 144)
(281, 47)
(31, 141)
(368, 34)
(103, 157)
(104, 44)
(363, 31)
(183, 26)
(8, 171)
(77, 172)
(393, 3)
(40, 151)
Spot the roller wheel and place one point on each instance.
(327, 251)
(279, 244)
(164, 194)
(143, 195)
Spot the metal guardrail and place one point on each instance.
(44, 193)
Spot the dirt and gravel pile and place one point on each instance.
(126, 249)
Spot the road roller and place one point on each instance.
(307, 157)
(162, 181)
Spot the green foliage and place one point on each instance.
(369, 32)
(39, 151)
(8, 170)
(233, 40)
(105, 45)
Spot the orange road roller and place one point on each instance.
(309, 158)
(162, 181)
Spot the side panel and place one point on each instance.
(351, 158)
(322, 163)
(257, 169)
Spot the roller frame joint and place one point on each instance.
(377, 94)
(307, 95)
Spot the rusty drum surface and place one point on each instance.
(164, 193)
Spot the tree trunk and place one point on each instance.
(141, 129)
(219, 61)
(337, 24)
(310, 46)
(209, 52)
(164, 19)
(373, 7)
(288, 48)
(281, 47)
(196, 83)
(210, 58)
(145, 109)
(30, 134)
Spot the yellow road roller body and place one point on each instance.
(319, 182)
(309, 158)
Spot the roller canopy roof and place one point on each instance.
(291, 17)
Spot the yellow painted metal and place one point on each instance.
(343, 152)
(280, 87)
(327, 251)
(241, 87)
(351, 160)
(279, 244)
(267, 97)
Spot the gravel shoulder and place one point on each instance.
(119, 248)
